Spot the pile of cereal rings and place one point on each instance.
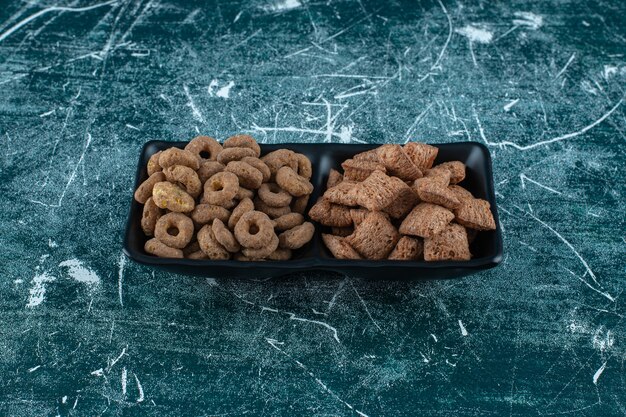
(226, 201)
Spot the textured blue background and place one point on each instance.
(84, 84)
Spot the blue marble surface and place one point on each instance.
(84, 331)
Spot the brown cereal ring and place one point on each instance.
(288, 221)
(172, 197)
(175, 156)
(174, 229)
(273, 212)
(334, 178)
(234, 154)
(243, 258)
(208, 169)
(263, 252)
(210, 246)
(297, 237)
(304, 166)
(249, 176)
(280, 254)
(221, 188)
(278, 159)
(153, 163)
(206, 148)
(185, 177)
(144, 191)
(243, 141)
(298, 205)
(197, 255)
(260, 165)
(158, 248)
(254, 230)
(273, 195)
(293, 183)
(230, 204)
(244, 206)
(244, 193)
(149, 217)
(206, 213)
(225, 236)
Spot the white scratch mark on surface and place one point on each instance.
(34, 368)
(476, 34)
(124, 380)
(524, 178)
(585, 129)
(596, 376)
(224, 92)
(273, 343)
(120, 277)
(132, 127)
(569, 61)
(98, 372)
(212, 282)
(194, 110)
(571, 247)
(528, 19)
(64, 399)
(80, 273)
(72, 176)
(445, 45)
(365, 307)
(42, 12)
(37, 292)
(418, 120)
(116, 360)
(48, 113)
(282, 6)
(140, 388)
(609, 71)
(463, 329)
(510, 104)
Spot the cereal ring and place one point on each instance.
(288, 221)
(206, 213)
(197, 255)
(243, 193)
(304, 166)
(175, 156)
(297, 237)
(230, 204)
(273, 212)
(274, 196)
(280, 254)
(243, 141)
(234, 154)
(278, 159)
(298, 205)
(244, 206)
(193, 246)
(174, 229)
(158, 248)
(208, 169)
(293, 183)
(144, 191)
(210, 246)
(149, 217)
(263, 252)
(153, 163)
(206, 148)
(254, 230)
(184, 177)
(221, 188)
(172, 197)
(260, 165)
(224, 236)
(249, 176)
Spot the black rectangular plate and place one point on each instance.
(486, 249)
